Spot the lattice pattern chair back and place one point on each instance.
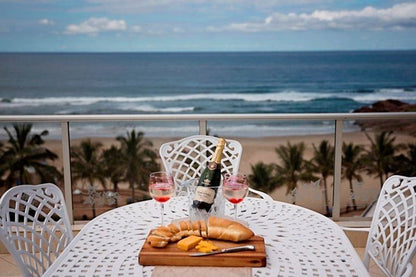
(34, 226)
(391, 241)
(187, 158)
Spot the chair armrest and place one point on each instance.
(355, 229)
(263, 195)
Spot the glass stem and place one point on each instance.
(162, 209)
(235, 211)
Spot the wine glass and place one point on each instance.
(161, 188)
(235, 189)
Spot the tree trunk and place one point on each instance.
(294, 196)
(91, 181)
(94, 213)
(354, 204)
(133, 194)
(328, 213)
(380, 176)
(381, 179)
(115, 189)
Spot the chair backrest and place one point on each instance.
(34, 226)
(185, 159)
(391, 241)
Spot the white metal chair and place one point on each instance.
(34, 226)
(391, 242)
(186, 158)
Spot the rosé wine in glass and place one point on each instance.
(161, 192)
(161, 188)
(235, 189)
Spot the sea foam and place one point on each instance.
(283, 96)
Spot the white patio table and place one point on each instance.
(299, 242)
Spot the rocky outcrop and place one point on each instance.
(390, 105)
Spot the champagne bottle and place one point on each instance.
(209, 181)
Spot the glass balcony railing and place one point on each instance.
(325, 183)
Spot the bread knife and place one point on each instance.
(225, 250)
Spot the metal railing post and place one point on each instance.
(66, 160)
(202, 127)
(336, 208)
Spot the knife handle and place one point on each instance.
(238, 248)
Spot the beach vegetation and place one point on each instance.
(406, 162)
(380, 157)
(139, 160)
(322, 163)
(293, 167)
(87, 167)
(2, 162)
(112, 162)
(86, 163)
(352, 165)
(262, 177)
(129, 163)
(24, 159)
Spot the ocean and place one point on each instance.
(194, 83)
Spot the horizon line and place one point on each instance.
(205, 51)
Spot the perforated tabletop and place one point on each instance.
(299, 242)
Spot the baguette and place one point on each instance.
(224, 229)
(218, 228)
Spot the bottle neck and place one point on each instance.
(218, 151)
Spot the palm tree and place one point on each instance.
(139, 160)
(380, 156)
(294, 167)
(262, 177)
(322, 162)
(2, 162)
(86, 165)
(112, 162)
(407, 163)
(24, 158)
(352, 164)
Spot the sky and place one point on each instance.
(205, 25)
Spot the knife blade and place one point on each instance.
(225, 250)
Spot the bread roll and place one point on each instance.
(173, 228)
(218, 228)
(225, 229)
(163, 231)
(156, 241)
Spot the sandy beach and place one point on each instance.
(263, 149)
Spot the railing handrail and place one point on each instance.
(338, 118)
(216, 117)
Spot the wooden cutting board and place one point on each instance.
(171, 255)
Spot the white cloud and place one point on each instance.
(46, 21)
(143, 6)
(95, 25)
(400, 16)
(136, 29)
